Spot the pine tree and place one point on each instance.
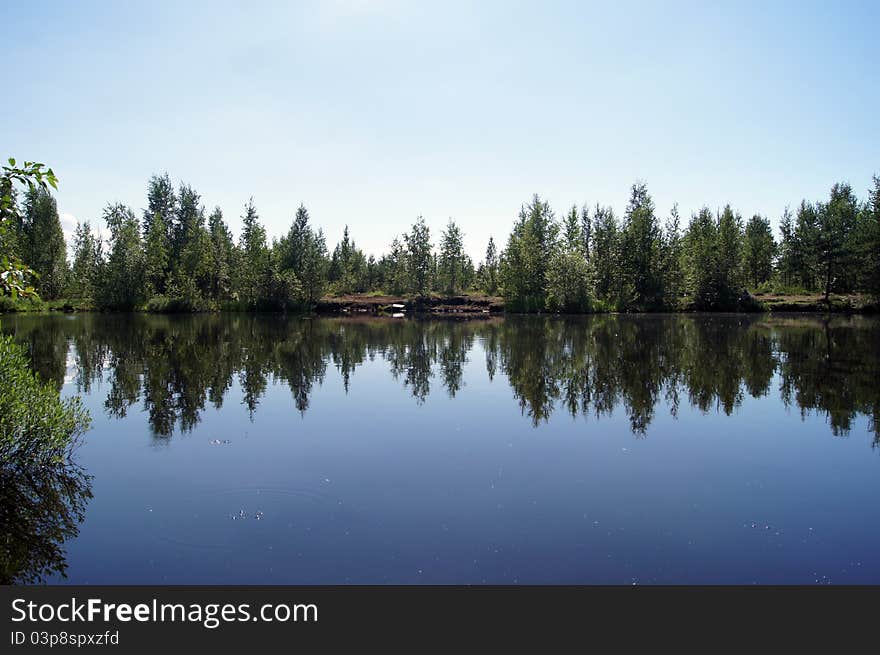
(254, 253)
(45, 248)
(489, 272)
(605, 256)
(671, 260)
(586, 232)
(452, 258)
(222, 251)
(640, 246)
(572, 234)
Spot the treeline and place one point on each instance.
(178, 256)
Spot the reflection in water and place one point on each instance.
(174, 366)
(39, 512)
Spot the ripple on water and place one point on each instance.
(237, 518)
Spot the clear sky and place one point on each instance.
(372, 112)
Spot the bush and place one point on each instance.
(178, 305)
(21, 304)
(568, 283)
(36, 425)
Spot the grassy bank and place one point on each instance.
(468, 304)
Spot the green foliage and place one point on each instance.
(834, 244)
(36, 426)
(253, 258)
(122, 284)
(15, 275)
(453, 262)
(713, 260)
(418, 258)
(759, 250)
(641, 246)
(671, 256)
(44, 246)
(527, 255)
(176, 260)
(347, 271)
(88, 263)
(568, 281)
(304, 252)
(868, 240)
(605, 257)
(487, 273)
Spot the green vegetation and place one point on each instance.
(176, 258)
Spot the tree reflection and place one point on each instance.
(174, 366)
(40, 510)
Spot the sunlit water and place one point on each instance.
(644, 449)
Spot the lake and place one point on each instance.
(656, 449)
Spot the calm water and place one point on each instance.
(653, 449)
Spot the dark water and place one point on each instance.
(657, 449)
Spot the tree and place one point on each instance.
(640, 246)
(347, 266)
(157, 256)
(671, 271)
(122, 285)
(605, 255)
(804, 260)
(418, 257)
(759, 250)
(785, 267)
(14, 274)
(568, 278)
(87, 262)
(254, 263)
(869, 242)
(304, 252)
(452, 262)
(701, 256)
(188, 215)
(526, 257)
(158, 221)
(729, 264)
(572, 235)
(222, 255)
(713, 263)
(835, 226)
(396, 267)
(586, 232)
(45, 248)
(489, 269)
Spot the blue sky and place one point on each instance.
(372, 112)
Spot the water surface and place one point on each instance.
(632, 449)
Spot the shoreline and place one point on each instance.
(476, 306)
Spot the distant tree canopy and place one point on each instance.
(177, 256)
